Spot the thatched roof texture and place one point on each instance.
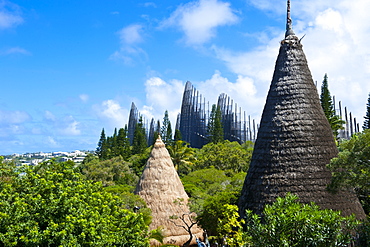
(294, 141)
(162, 190)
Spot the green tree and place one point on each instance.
(352, 167)
(123, 144)
(203, 184)
(166, 130)
(113, 145)
(139, 143)
(182, 156)
(114, 171)
(102, 148)
(335, 122)
(212, 213)
(228, 156)
(215, 129)
(177, 136)
(138, 161)
(52, 205)
(289, 223)
(367, 116)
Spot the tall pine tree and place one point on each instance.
(139, 143)
(367, 116)
(166, 130)
(215, 129)
(327, 105)
(102, 148)
(123, 143)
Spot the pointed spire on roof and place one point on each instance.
(289, 28)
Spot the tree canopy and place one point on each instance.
(52, 205)
(352, 167)
(228, 156)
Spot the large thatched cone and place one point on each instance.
(294, 142)
(163, 192)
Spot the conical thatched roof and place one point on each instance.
(294, 141)
(162, 190)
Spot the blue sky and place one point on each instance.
(70, 68)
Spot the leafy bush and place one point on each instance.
(52, 205)
(290, 223)
(352, 167)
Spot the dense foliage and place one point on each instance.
(183, 157)
(352, 167)
(230, 157)
(52, 205)
(112, 146)
(290, 223)
(114, 171)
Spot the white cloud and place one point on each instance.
(243, 92)
(71, 128)
(15, 50)
(49, 116)
(200, 19)
(10, 15)
(131, 34)
(52, 142)
(111, 112)
(336, 43)
(162, 96)
(13, 117)
(150, 4)
(84, 97)
(130, 37)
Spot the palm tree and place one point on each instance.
(182, 156)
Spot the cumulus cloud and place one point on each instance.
(243, 92)
(130, 37)
(10, 15)
(336, 43)
(200, 19)
(162, 96)
(111, 112)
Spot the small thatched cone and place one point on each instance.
(294, 142)
(163, 192)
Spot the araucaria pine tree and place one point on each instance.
(123, 143)
(102, 148)
(166, 130)
(215, 129)
(139, 143)
(327, 105)
(367, 116)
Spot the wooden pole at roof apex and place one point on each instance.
(289, 28)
